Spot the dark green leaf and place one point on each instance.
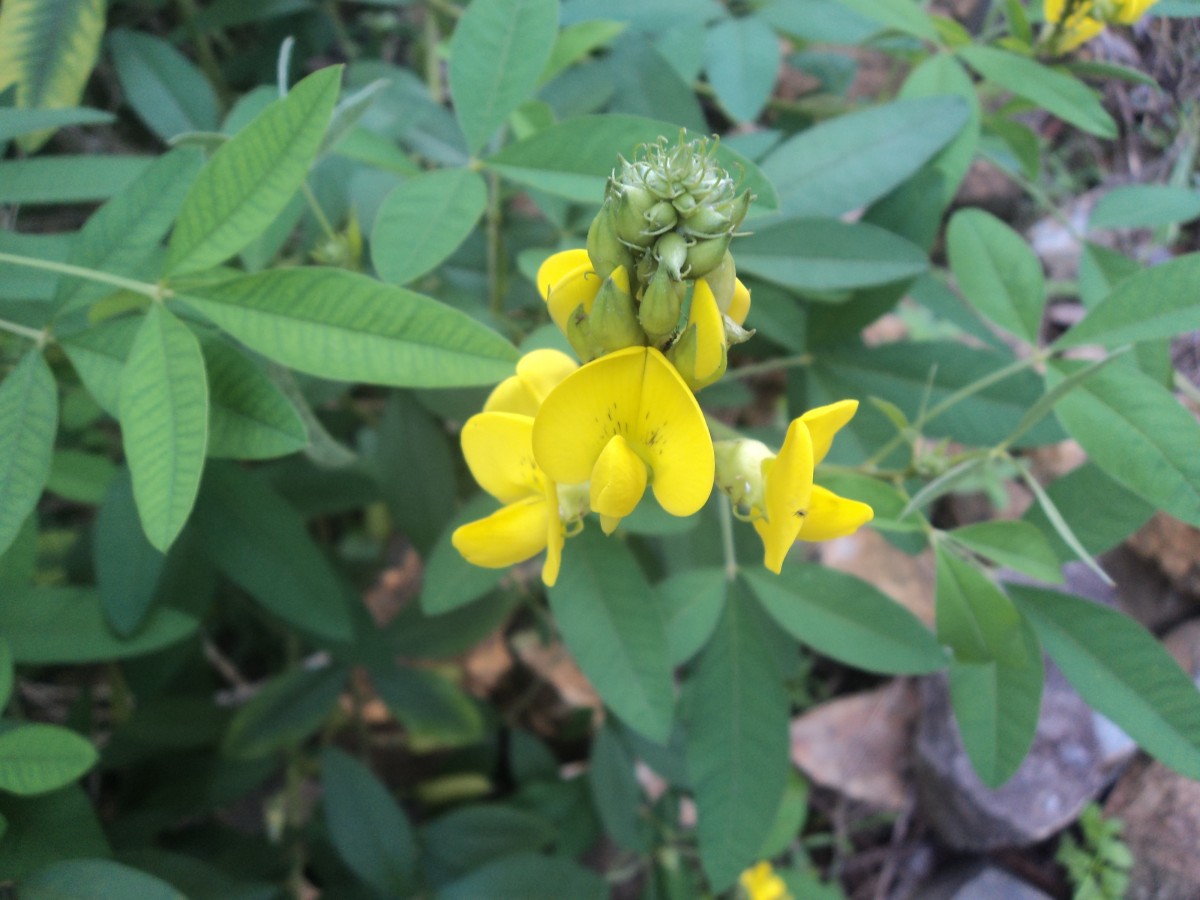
(286, 710)
(249, 416)
(742, 62)
(80, 477)
(127, 566)
(529, 877)
(434, 711)
(340, 325)
(370, 832)
(68, 179)
(161, 84)
(450, 581)
(473, 836)
(1120, 669)
(28, 422)
(84, 879)
(614, 633)
(1101, 512)
(692, 603)
(1016, 544)
(615, 790)
(18, 122)
(45, 829)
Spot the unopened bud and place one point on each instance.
(660, 308)
(613, 321)
(671, 251)
(579, 334)
(706, 222)
(722, 280)
(604, 249)
(739, 472)
(661, 217)
(684, 354)
(630, 218)
(705, 255)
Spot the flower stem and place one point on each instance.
(494, 246)
(731, 566)
(33, 334)
(771, 365)
(153, 291)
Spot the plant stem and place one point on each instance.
(731, 566)
(771, 365)
(496, 276)
(33, 334)
(153, 291)
(433, 72)
(319, 214)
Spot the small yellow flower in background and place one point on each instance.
(621, 422)
(498, 447)
(776, 491)
(760, 882)
(1074, 22)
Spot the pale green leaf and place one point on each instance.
(18, 122)
(576, 41)
(498, 50)
(1121, 670)
(67, 626)
(737, 739)
(844, 617)
(1145, 206)
(50, 180)
(423, 220)
(1016, 544)
(164, 88)
(28, 422)
(848, 162)
(614, 633)
(1159, 302)
(252, 177)
(997, 272)
(163, 406)
(345, 326)
(37, 758)
(1057, 92)
(827, 255)
(79, 476)
(249, 416)
(48, 49)
(741, 58)
(905, 16)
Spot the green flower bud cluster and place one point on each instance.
(668, 219)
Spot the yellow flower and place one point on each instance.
(621, 422)
(1074, 23)
(498, 446)
(777, 492)
(760, 882)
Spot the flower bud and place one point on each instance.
(722, 280)
(739, 468)
(604, 249)
(671, 251)
(705, 255)
(661, 217)
(660, 307)
(684, 354)
(706, 222)
(630, 219)
(613, 323)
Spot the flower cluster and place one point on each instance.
(1073, 22)
(650, 307)
(762, 882)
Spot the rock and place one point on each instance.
(1175, 547)
(978, 882)
(1064, 770)
(859, 745)
(1161, 811)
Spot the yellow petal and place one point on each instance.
(740, 307)
(710, 331)
(638, 394)
(499, 451)
(558, 267)
(830, 516)
(1052, 10)
(510, 535)
(538, 373)
(555, 536)
(618, 482)
(579, 286)
(789, 487)
(824, 422)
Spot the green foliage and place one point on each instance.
(1099, 864)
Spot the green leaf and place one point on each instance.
(741, 58)
(51, 180)
(18, 122)
(827, 255)
(1016, 544)
(902, 15)
(615, 635)
(789, 818)
(576, 41)
(575, 158)
(67, 625)
(47, 828)
(844, 617)
(285, 711)
(161, 84)
(434, 711)
(37, 758)
(499, 49)
(1145, 206)
(262, 545)
(1121, 670)
(737, 739)
(646, 83)
(997, 272)
(615, 790)
(252, 177)
(48, 49)
(127, 567)
(1099, 526)
(470, 837)
(6, 674)
(530, 877)
(849, 162)
(124, 232)
(28, 422)
(340, 325)
(368, 829)
(80, 477)
(1100, 270)
(164, 423)
(423, 220)
(692, 603)
(1057, 92)
(1137, 432)
(449, 580)
(1159, 302)
(249, 417)
(996, 672)
(83, 879)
